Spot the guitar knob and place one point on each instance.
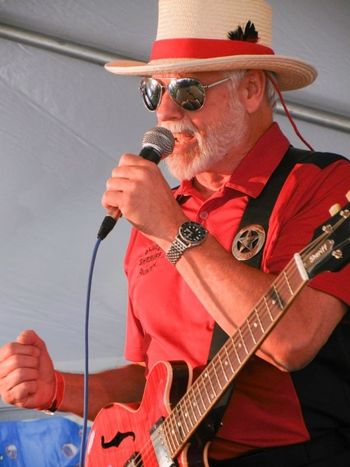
(333, 210)
(348, 196)
(338, 254)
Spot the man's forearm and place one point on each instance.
(124, 384)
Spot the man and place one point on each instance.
(290, 404)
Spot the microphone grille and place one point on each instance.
(161, 139)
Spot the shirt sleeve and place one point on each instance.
(303, 206)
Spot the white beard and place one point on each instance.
(222, 137)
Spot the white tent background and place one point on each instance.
(64, 123)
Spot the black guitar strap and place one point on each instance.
(258, 211)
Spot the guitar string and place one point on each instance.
(144, 456)
(265, 313)
(245, 331)
(234, 341)
(179, 409)
(193, 388)
(147, 452)
(289, 278)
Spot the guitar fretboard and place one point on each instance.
(223, 368)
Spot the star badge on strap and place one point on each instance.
(248, 242)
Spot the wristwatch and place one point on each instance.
(190, 234)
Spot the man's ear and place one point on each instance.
(252, 90)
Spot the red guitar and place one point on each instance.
(160, 431)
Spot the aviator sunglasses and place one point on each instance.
(188, 93)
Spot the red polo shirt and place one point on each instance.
(166, 321)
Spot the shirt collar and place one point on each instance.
(255, 169)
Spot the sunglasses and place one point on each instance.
(188, 93)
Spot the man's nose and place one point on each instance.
(168, 109)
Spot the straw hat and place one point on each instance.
(213, 35)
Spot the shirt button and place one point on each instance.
(203, 215)
(210, 326)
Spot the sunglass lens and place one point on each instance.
(151, 92)
(188, 93)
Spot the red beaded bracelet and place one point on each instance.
(58, 395)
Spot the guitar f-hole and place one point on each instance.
(116, 440)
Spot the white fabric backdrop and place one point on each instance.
(63, 124)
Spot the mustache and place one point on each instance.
(180, 127)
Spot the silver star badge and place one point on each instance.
(248, 242)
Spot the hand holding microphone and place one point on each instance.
(157, 144)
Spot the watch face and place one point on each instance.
(193, 232)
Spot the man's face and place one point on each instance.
(206, 136)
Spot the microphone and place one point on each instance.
(157, 144)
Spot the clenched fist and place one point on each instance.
(27, 377)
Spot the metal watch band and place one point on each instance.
(175, 251)
(190, 234)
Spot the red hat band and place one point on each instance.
(193, 48)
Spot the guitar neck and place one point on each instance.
(227, 363)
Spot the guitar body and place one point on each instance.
(120, 435)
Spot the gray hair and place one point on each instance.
(271, 93)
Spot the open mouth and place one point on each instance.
(184, 137)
